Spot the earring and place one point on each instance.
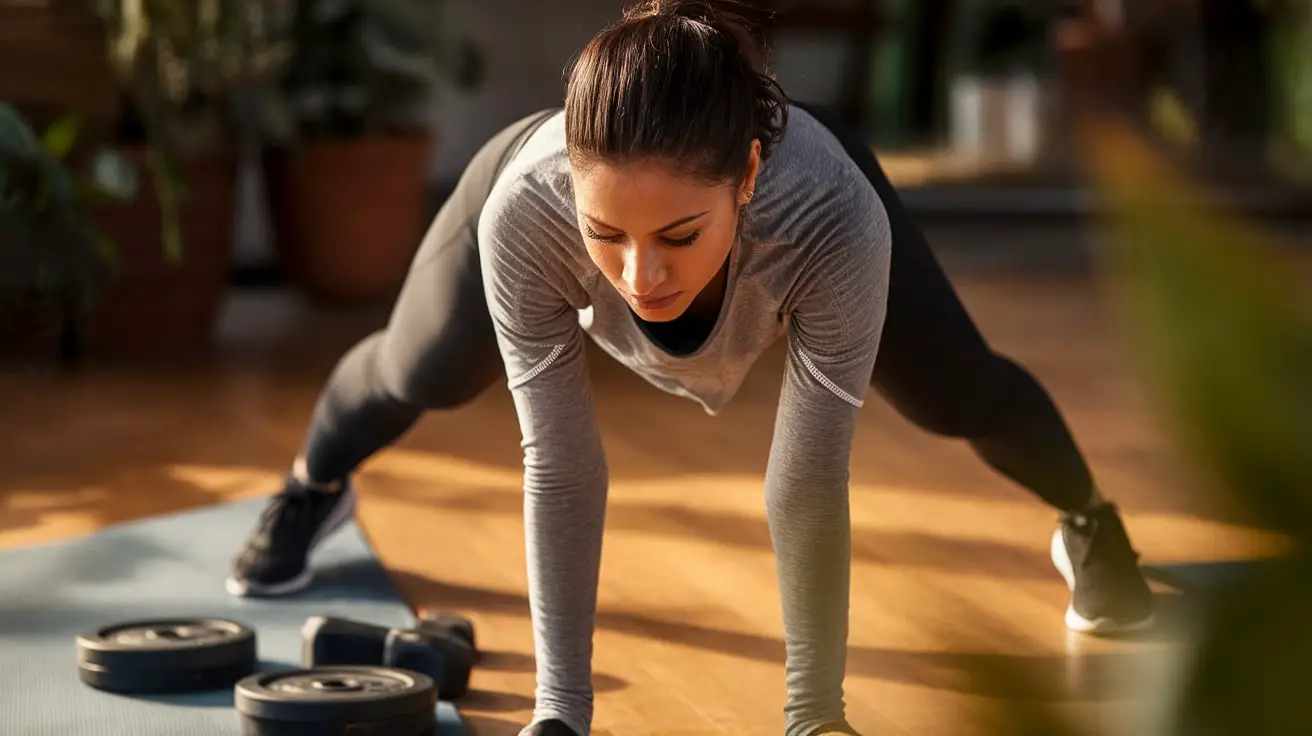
(747, 195)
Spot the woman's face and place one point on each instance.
(659, 237)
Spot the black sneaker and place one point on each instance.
(275, 560)
(1108, 592)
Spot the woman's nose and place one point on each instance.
(644, 270)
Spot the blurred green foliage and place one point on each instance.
(181, 64)
(361, 68)
(1291, 51)
(52, 254)
(1218, 318)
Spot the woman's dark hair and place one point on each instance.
(685, 82)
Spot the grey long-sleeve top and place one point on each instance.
(811, 266)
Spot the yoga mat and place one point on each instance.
(1205, 578)
(164, 566)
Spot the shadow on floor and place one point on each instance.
(891, 547)
(1079, 677)
(100, 444)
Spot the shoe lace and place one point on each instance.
(288, 509)
(1108, 542)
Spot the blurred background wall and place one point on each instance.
(968, 103)
(964, 100)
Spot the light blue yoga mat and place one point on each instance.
(164, 566)
(1206, 578)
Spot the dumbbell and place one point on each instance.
(451, 624)
(430, 649)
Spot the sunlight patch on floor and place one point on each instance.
(1017, 521)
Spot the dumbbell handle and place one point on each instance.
(366, 640)
(327, 640)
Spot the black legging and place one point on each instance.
(936, 369)
(439, 350)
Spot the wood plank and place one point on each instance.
(950, 565)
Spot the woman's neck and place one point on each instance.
(711, 298)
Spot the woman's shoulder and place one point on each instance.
(534, 190)
(811, 188)
(810, 155)
(540, 162)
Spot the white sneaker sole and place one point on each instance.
(344, 512)
(1076, 622)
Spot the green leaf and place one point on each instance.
(405, 24)
(114, 175)
(17, 139)
(61, 136)
(172, 238)
(414, 65)
(56, 183)
(170, 188)
(272, 117)
(103, 245)
(1221, 324)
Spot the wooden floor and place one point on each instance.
(950, 562)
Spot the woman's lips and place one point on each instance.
(656, 303)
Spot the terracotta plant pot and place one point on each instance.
(347, 215)
(154, 305)
(148, 306)
(53, 60)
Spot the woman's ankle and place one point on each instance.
(301, 474)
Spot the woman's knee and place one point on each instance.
(947, 418)
(967, 406)
(438, 377)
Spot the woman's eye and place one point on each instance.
(678, 242)
(597, 236)
(685, 240)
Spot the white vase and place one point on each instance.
(998, 119)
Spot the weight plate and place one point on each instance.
(166, 655)
(339, 699)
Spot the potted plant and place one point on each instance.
(997, 95)
(54, 259)
(349, 141)
(53, 62)
(179, 66)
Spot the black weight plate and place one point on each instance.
(166, 655)
(338, 699)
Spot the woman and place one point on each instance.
(684, 216)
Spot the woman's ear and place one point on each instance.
(748, 188)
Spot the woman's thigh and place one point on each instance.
(439, 349)
(934, 366)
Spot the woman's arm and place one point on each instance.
(834, 332)
(565, 473)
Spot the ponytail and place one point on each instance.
(687, 82)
